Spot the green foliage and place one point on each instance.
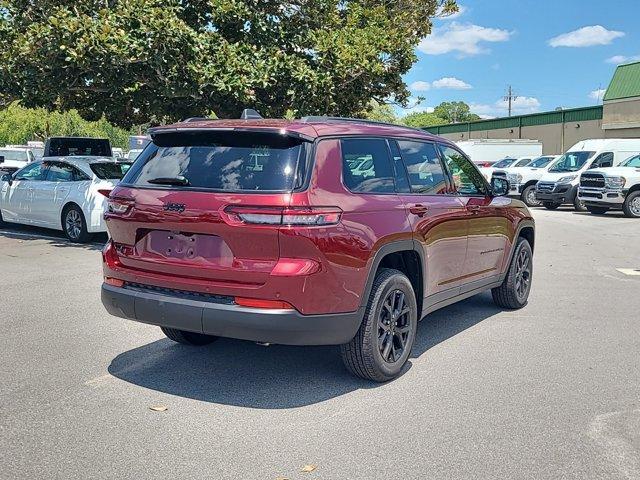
(19, 125)
(455, 112)
(381, 112)
(422, 119)
(140, 61)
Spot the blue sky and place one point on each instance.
(553, 52)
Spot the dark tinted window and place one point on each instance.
(111, 171)
(366, 167)
(402, 182)
(424, 168)
(523, 162)
(239, 161)
(35, 171)
(603, 160)
(64, 147)
(466, 177)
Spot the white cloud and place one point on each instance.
(586, 37)
(519, 106)
(451, 83)
(597, 94)
(618, 59)
(463, 38)
(420, 86)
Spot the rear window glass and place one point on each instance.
(238, 161)
(111, 171)
(19, 155)
(92, 147)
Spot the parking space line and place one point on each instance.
(630, 271)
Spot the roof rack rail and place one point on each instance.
(196, 119)
(324, 118)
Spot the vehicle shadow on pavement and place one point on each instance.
(239, 373)
(54, 238)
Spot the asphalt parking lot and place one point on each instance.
(548, 392)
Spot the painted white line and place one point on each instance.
(630, 271)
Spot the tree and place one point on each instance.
(455, 112)
(381, 112)
(159, 60)
(422, 119)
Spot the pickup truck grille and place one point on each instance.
(545, 186)
(592, 180)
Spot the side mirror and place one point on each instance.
(499, 186)
(7, 177)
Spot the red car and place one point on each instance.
(317, 231)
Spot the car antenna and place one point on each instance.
(250, 114)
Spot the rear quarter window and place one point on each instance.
(221, 161)
(110, 171)
(366, 166)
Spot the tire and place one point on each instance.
(372, 353)
(74, 225)
(550, 205)
(631, 205)
(514, 291)
(2, 222)
(597, 210)
(579, 205)
(529, 197)
(188, 338)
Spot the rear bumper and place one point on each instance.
(287, 327)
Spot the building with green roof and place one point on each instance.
(618, 117)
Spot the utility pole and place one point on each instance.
(509, 97)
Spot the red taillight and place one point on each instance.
(292, 267)
(258, 303)
(115, 282)
(104, 191)
(119, 205)
(285, 216)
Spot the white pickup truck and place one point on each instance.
(612, 188)
(14, 158)
(522, 180)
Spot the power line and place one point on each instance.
(509, 97)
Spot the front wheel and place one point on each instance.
(384, 340)
(631, 205)
(188, 338)
(579, 205)
(514, 291)
(550, 205)
(597, 210)
(529, 197)
(75, 225)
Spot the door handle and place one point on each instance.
(418, 209)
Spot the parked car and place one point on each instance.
(300, 251)
(522, 180)
(67, 194)
(509, 162)
(615, 188)
(559, 185)
(13, 158)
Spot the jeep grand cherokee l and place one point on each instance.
(272, 231)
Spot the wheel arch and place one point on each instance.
(67, 205)
(635, 188)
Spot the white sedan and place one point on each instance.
(65, 193)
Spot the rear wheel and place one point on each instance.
(514, 291)
(529, 197)
(579, 205)
(550, 205)
(383, 343)
(597, 210)
(187, 338)
(75, 225)
(631, 205)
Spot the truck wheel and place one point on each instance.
(385, 338)
(631, 205)
(529, 197)
(579, 205)
(514, 291)
(74, 225)
(597, 210)
(550, 205)
(187, 338)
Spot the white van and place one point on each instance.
(560, 184)
(484, 152)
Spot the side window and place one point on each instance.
(366, 167)
(60, 172)
(603, 160)
(523, 162)
(402, 183)
(424, 168)
(466, 177)
(34, 171)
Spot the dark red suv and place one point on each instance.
(318, 231)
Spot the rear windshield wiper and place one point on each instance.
(179, 180)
